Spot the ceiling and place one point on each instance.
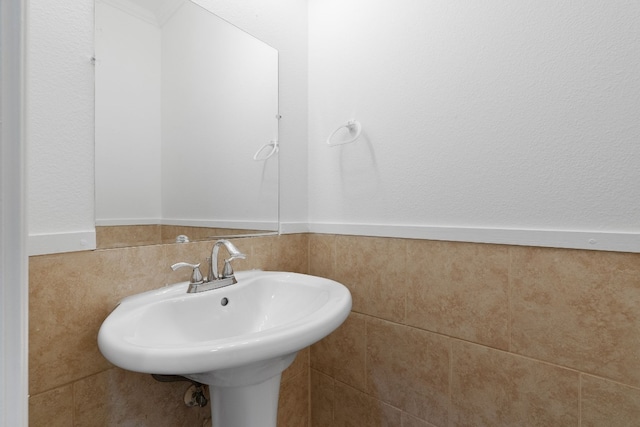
(156, 12)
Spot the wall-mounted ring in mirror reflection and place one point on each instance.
(181, 98)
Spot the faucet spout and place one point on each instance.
(227, 271)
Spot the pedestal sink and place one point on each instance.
(236, 339)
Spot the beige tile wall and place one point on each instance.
(441, 334)
(72, 385)
(462, 334)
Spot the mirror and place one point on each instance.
(186, 125)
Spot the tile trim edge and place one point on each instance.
(41, 244)
(569, 239)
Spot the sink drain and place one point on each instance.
(224, 301)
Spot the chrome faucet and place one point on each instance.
(227, 271)
(214, 280)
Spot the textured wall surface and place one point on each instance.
(499, 114)
(59, 117)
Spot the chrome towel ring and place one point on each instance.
(274, 149)
(352, 126)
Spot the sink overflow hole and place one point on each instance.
(224, 301)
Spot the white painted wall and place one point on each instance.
(59, 125)
(477, 117)
(128, 118)
(507, 116)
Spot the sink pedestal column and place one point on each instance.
(246, 396)
(244, 406)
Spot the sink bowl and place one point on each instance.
(238, 336)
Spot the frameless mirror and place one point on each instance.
(186, 125)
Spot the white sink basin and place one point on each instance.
(267, 314)
(237, 339)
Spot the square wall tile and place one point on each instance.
(299, 366)
(410, 421)
(122, 398)
(341, 354)
(322, 255)
(322, 399)
(493, 388)
(53, 408)
(409, 369)
(356, 408)
(287, 252)
(373, 269)
(578, 309)
(293, 403)
(70, 295)
(459, 289)
(606, 403)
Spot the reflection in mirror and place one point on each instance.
(184, 102)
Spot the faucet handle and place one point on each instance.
(196, 275)
(227, 271)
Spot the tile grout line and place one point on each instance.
(406, 293)
(308, 236)
(366, 351)
(334, 256)
(450, 411)
(509, 298)
(73, 404)
(309, 382)
(580, 399)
